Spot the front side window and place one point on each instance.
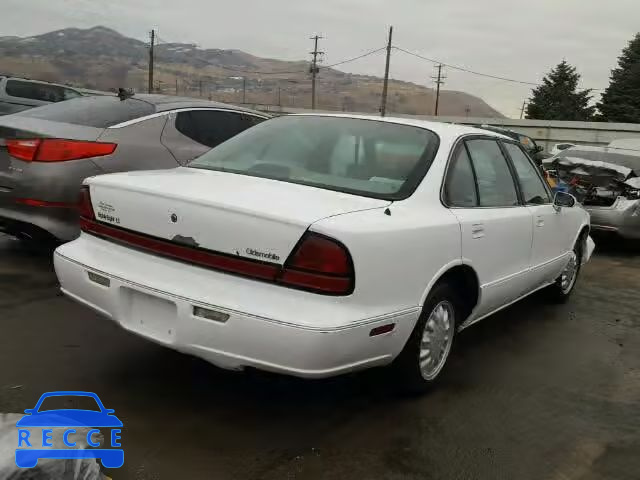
(496, 187)
(363, 157)
(533, 189)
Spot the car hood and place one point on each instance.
(69, 418)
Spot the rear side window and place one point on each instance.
(99, 112)
(39, 91)
(496, 187)
(461, 185)
(211, 128)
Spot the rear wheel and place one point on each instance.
(426, 353)
(563, 287)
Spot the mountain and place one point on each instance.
(103, 59)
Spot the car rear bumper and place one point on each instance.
(305, 339)
(623, 221)
(24, 220)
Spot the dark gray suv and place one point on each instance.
(18, 94)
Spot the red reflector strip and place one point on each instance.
(315, 281)
(32, 202)
(382, 329)
(198, 257)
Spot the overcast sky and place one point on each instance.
(510, 38)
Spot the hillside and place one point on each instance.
(103, 59)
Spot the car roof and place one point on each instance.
(442, 129)
(42, 82)
(164, 103)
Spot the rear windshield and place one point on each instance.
(99, 112)
(617, 158)
(364, 157)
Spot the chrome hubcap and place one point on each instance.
(568, 276)
(437, 337)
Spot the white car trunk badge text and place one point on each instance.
(265, 255)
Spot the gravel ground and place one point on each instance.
(536, 391)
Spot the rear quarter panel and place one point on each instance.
(139, 147)
(398, 257)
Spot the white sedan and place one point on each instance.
(315, 245)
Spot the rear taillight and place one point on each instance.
(57, 150)
(84, 204)
(23, 149)
(319, 264)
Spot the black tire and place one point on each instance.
(559, 293)
(408, 373)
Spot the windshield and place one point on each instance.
(64, 402)
(365, 157)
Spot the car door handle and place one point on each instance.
(477, 231)
(539, 222)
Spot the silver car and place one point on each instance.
(606, 180)
(18, 94)
(46, 152)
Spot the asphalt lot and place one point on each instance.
(536, 392)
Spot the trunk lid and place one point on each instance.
(251, 217)
(15, 172)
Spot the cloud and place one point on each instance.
(520, 40)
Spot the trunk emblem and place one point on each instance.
(174, 218)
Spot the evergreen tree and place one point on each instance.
(558, 97)
(621, 101)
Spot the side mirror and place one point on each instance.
(563, 199)
(28, 411)
(109, 411)
(538, 149)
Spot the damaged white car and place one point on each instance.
(606, 180)
(315, 245)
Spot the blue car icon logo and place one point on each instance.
(82, 433)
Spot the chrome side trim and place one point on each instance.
(359, 323)
(185, 109)
(471, 321)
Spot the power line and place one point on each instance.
(462, 69)
(473, 72)
(225, 67)
(371, 52)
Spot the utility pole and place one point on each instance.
(176, 85)
(439, 81)
(385, 86)
(200, 88)
(524, 105)
(279, 96)
(244, 89)
(314, 70)
(153, 40)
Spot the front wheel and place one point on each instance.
(426, 353)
